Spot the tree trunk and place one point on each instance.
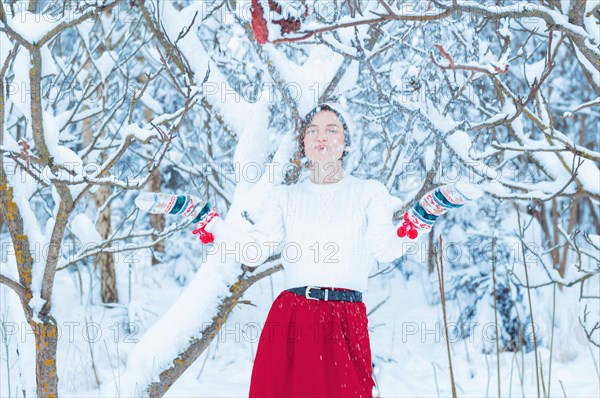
(108, 280)
(33, 6)
(156, 220)
(46, 341)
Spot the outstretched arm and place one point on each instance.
(254, 245)
(389, 242)
(382, 235)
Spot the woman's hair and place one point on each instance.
(306, 121)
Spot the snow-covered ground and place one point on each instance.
(408, 350)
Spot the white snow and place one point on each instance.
(106, 63)
(139, 133)
(16, 343)
(5, 47)
(20, 95)
(84, 229)
(152, 103)
(309, 81)
(48, 65)
(31, 26)
(533, 71)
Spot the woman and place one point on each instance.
(330, 229)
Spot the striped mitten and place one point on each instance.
(185, 205)
(424, 213)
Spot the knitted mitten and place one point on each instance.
(186, 205)
(424, 213)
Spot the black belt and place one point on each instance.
(319, 293)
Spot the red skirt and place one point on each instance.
(313, 348)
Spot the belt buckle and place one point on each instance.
(307, 292)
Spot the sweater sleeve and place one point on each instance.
(381, 237)
(260, 241)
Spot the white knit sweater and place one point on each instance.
(329, 235)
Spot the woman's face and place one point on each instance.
(324, 139)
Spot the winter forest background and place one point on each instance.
(103, 100)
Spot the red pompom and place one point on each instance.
(401, 231)
(407, 228)
(413, 233)
(205, 236)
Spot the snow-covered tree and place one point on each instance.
(107, 99)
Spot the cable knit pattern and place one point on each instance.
(327, 234)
